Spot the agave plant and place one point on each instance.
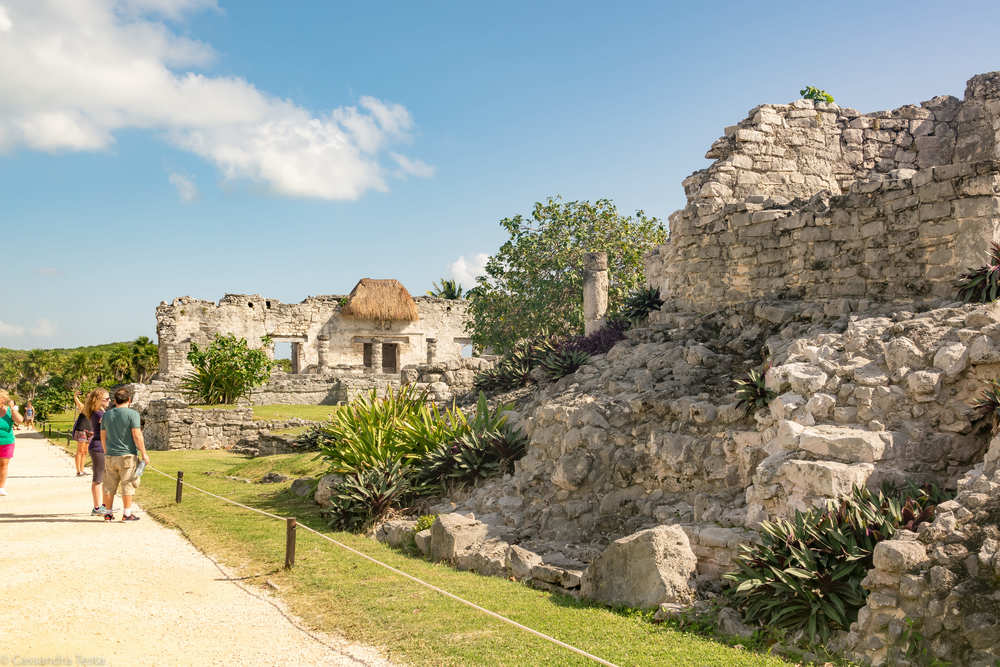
(560, 363)
(806, 572)
(368, 495)
(982, 285)
(986, 410)
(640, 303)
(751, 391)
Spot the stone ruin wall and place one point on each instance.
(811, 201)
(325, 340)
(849, 292)
(172, 424)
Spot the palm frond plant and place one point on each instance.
(982, 285)
(560, 363)
(367, 495)
(370, 431)
(806, 572)
(986, 409)
(448, 289)
(752, 392)
(640, 303)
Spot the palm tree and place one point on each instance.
(37, 365)
(120, 363)
(449, 289)
(145, 358)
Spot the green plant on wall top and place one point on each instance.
(982, 285)
(814, 93)
(227, 370)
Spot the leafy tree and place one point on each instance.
(228, 369)
(37, 366)
(449, 289)
(120, 364)
(145, 358)
(533, 285)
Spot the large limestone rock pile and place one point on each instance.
(936, 593)
(650, 434)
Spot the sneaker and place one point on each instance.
(109, 516)
(130, 517)
(3, 491)
(99, 511)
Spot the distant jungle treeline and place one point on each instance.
(49, 377)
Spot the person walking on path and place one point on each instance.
(29, 415)
(8, 419)
(94, 407)
(121, 437)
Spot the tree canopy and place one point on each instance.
(533, 286)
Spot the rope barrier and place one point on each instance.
(432, 587)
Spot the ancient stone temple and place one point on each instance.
(828, 242)
(377, 329)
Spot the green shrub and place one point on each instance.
(228, 369)
(982, 285)
(424, 522)
(640, 303)
(371, 431)
(367, 495)
(806, 573)
(752, 392)
(489, 446)
(814, 93)
(560, 363)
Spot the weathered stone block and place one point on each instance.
(643, 570)
(844, 444)
(451, 534)
(899, 555)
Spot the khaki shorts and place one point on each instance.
(120, 470)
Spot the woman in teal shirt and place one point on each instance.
(10, 417)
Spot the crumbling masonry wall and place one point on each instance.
(811, 201)
(323, 339)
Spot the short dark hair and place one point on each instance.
(123, 396)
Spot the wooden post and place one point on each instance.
(180, 486)
(289, 543)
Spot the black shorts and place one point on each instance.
(98, 459)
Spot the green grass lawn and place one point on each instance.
(335, 591)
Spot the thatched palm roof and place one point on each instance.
(380, 300)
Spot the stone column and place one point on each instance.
(595, 290)
(322, 352)
(377, 355)
(432, 346)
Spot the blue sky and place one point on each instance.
(157, 148)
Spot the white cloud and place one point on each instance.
(465, 270)
(43, 328)
(83, 70)
(48, 271)
(186, 188)
(415, 167)
(10, 329)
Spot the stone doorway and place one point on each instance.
(291, 348)
(390, 358)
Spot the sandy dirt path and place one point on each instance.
(77, 590)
